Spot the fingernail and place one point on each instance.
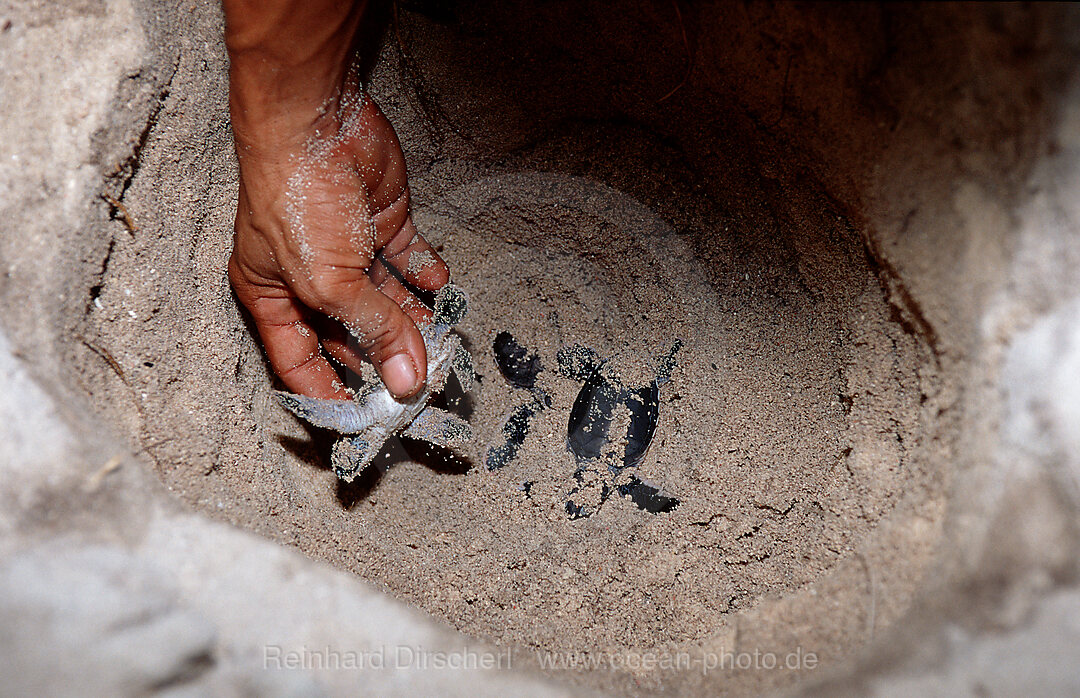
(398, 375)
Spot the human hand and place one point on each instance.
(323, 207)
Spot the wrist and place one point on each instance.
(286, 73)
(278, 110)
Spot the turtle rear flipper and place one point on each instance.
(647, 497)
(589, 494)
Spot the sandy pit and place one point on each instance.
(783, 440)
(622, 190)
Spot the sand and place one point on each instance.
(793, 431)
(782, 445)
(837, 213)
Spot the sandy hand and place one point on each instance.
(323, 208)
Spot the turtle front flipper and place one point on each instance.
(342, 416)
(351, 455)
(451, 306)
(463, 368)
(441, 428)
(666, 363)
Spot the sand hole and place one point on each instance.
(785, 432)
(794, 431)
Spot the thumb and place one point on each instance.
(385, 334)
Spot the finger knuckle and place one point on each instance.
(233, 271)
(297, 367)
(439, 273)
(326, 290)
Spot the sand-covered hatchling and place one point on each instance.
(520, 369)
(611, 426)
(373, 415)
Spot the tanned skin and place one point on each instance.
(308, 265)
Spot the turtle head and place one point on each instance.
(578, 362)
(451, 305)
(352, 454)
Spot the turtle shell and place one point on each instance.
(589, 426)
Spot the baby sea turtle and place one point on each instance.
(520, 369)
(609, 401)
(373, 415)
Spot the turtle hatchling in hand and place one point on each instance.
(373, 415)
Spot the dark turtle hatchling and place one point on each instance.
(605, 396)
(520, 369)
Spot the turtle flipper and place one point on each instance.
(514, 430)
(463, 368)
(451, 305)
(342, 416)
(439, 427)
(647, 497)
(589, 494)
(666, 363)
(516, 364)
(351, 455)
